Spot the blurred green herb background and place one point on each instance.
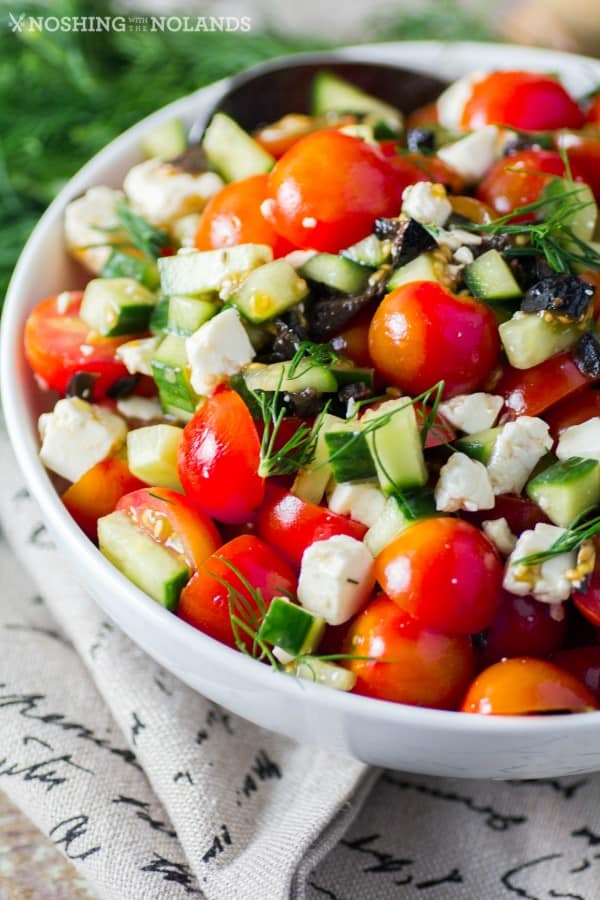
(65, 94)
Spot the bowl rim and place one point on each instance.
(71, 540)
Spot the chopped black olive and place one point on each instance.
(328, 315)
(123, 387)
(420, 140)
(81, 385)
(529, 270)
(192, 160)
(410, 241)
(357, 392)
(384, 229)
(307, 403)
(587, 355)
(565, 296)
(529, 140)
(284, 346)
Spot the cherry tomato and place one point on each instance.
(219, 457)
(573, 411)
(445, 573)
(424, 115)
(205, 600)
(328, 188)
(520, 513)
(524, 100)
(433, 168)
(58, 344)
(525, 686)
(518, 180)
(441, 432)
(278, 137)
(588, 602)
(584, 157)
(421, 333)
(421, 667)
(173, 520)
(592, 113)
(290, 525)
(233, 216)
(97, 492)
(584, 664)
(522, 626)
(528, 392)
(472, 209)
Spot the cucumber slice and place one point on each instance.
(291, 627)
(152, 455)
(490, 278)
(187, 314)
(164, 141)
(159, 320)
(369, 252)
(116, 306)
(158, 571)
(268, 291)
(349, 455)
(566, 488)
(479, 445)
(124, 265)
(424, 268)
(583, 221)
(232, 151)
(195, 272)
(171, 373)
(276, 377)
(528, 339)
(311, 668)
(310, 483)
(330, 93)
(395, 446)
(345, 373)
(399, 512)
(336, 272)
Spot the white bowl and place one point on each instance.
(381, 733)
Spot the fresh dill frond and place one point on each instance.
(144, 236)
(314, 354)
(577, 532)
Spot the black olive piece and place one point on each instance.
(307, 403)
(532, 140)
(529, 270)
(587, 355)
(192, 160)
(420, 140)
(123, 387)
(81, 385)
(284, 346)
(357, 391)
(565, 295)
(411, 240)
(328, 315)
(384, 229)
(296, 320)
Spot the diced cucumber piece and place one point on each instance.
(311, 668)
(503, 309)
(479, 445)
(197, 272)
(349, 454)
(336, 272)
(395, 444)
(152, 455)
(279, 377)
(158, 571)
(582, 221)
(346, 373)
(268, 291)
(291, 627)
(125, 265)
(116, 306)
(400, 511)
(187, 314)
(310, 483)
(171, 373)
(566, 488)
(159, 320)
(489, 278)
(330, 93)
(424, 268)
(528, 339)
(369, 252)
(232, 151)
(164, 141)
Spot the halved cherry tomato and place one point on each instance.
(58, 344)
(173, 520)
(419, 666)
(290, 525)
(219, 455)
(522, 626)
(526, 100)
(520, 513)
(97, 492)
(528, 392)
(519, 179)
(584, 664)
(328, 188)
(445, 573)
(421, 333)
(573, 411)
(588, 602)
(441, 432)
(205, 600)
(233, 216)
(525, 686)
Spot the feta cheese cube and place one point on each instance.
(162, 192)
(472, 412)
(137, 355)
(473, 155)
(499, 533)
(463, 484)
(426, 203)
(580, 440)
(548, 582)
(451, 103)
(362, 502)
(219, 348)
(336, 578)
(76, 435)
(92, 225)
(143, 408)
(518, 449)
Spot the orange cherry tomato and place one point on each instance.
(472, 209)
(525, 686)
(278, 137)
(525, 100)
(435, 169)
(97, 492)
(418, 666)
(528, 392)
(421, 333)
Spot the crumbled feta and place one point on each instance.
(184, 230)
(463, 484)
(137, 355)
(336, 578)
(451, 103)
(92, 225)
(143, 408)
(219, 348)
(456, 238)
(463, 256)
(517, 450)
(162, 192)
(472, 412)
(426, 203)
(76, 435)
(473, 155)
(499, 533)
(548, 582)
(362, 502)
(580, 440)
(297, 258)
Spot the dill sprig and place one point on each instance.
(577, 532)
(314, 354)
(144, 236)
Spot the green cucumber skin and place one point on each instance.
(353, 375)
(201, 272)
(490, 278)
(336, 272)
(132, 320)
(268, 291)
(370, 252)
(566, 488)
(170, 372)
(159, 319)
(123, 265)
(275, 377)
(479, 446)
(232, 151)
(349, 456)
(290, 627)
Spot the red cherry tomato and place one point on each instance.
(328, 188)
(525, 100)
(522, 626)
(519, 179)
(521, 514)
(420, 667)
(290, 525)
(219, 457)
(583, 663)
(528, 392)
(588, 602)
(97, 492)
(592, 113)
(58, 344)
(424, 115)
(422, 333)
(172, 519)
(573, 411)
(433, 168)
(445, 573)
(524, 686)
(584, 157)
(205, 600)
(233, 216)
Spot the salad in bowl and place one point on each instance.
(328, 394)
